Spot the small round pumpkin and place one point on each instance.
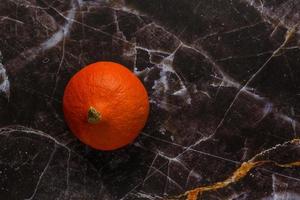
(105, 105)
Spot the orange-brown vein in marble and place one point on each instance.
(240, 173)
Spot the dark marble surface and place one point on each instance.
(223, 78)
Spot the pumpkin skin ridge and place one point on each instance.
(118, 95)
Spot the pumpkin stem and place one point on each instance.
(93, 116)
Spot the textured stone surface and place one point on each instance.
(223, 81)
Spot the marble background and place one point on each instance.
(224, 86)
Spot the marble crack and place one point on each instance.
(189, 148)
(28, 161)
(152, 50)
(60, 65)
(229, 31)
(246, 56)
(3, 18)
(68, 175)
(168, 179)
(151, 166)
(43, 173)
(147, 196)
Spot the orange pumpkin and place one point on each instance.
(105, 105)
